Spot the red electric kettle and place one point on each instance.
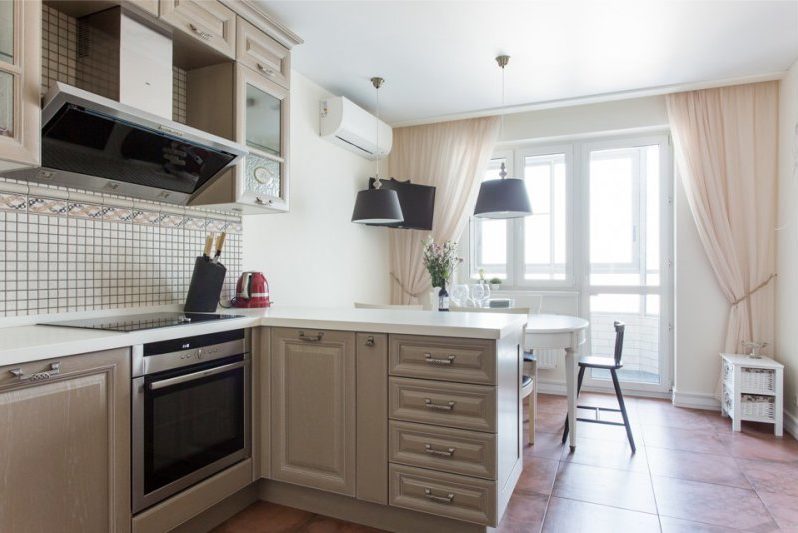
(252, 290)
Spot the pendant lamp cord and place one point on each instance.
(502, 61)
(377, 82)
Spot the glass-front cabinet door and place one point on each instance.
(20, 75)
(262, 124)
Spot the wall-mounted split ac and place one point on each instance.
(351, 127)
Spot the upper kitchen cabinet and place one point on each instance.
(66, 444)
(206, 21)
(262, 54)
(20, 75)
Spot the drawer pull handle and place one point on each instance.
(443, 453)
(204, 35)
(55, 369)
(437, 361)
(449, 498)
(267, 71)
(311, 338)
(370, 341)
(429, 405)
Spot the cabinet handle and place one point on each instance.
(204, 35)
(437, 361)
(315, 338)
(429, 405)
(267, 71)
(443, 453)
(370, 341)
(55, 369)
(260, 201)
(449, 498)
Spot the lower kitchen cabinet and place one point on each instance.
(313, 409)
(66, 424)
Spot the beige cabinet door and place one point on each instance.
(207, 21)
(65, 444)
(20, 82)
(262, 54)
(313, 408)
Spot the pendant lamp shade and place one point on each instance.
(377, 206)
(502, 198)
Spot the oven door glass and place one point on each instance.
(193, 417)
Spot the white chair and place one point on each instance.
(406, 307)
(529, 383)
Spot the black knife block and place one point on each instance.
(205, 287)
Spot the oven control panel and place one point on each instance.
(175, 353)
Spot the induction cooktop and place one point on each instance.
(141, 321)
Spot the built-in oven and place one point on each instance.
(191, 412)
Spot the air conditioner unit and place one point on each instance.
(347, 125)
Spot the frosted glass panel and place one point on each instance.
(263, 120)
(6, 104)
(7, 31)
(263, 176)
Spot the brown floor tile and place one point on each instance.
(753, 444)
(548, 445)
(676, 525)
(570, 516)
(524, 513)
(538, 475)
(771, 476)
(687, 440)
(607, 453)
(783, 507)
(676, 417)
(718, 505)
(720, 469)
(323, 524)
(605, 486)
(265, 517)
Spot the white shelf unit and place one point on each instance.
(753, 390)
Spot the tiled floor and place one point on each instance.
(690, 474)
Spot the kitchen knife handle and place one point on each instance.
(220, 243)
(208, 245)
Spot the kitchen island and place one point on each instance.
(403, 420)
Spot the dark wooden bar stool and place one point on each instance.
(613, 365)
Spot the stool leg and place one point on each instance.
(578, 389)
(622, 405)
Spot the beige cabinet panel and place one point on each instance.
(66, 440)
(20, 75)
(372, 417)
(449, 450)
(208, 21)
(454, 405)
(262, 54)
(150, 6)
(313, 408)
(445, 358)
(458, 497)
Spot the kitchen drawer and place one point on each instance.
(208, 21)
(449, 450)
(262, 54)
(459, 497)
(449, 359)
(447, 404)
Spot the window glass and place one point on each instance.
(490, 236)
(545, 230)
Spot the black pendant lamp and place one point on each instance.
(503, 197)
(376, 205)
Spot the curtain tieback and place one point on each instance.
(752, 291)
(402, 286)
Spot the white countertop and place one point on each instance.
(22, 341)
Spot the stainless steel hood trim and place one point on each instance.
(61, 94)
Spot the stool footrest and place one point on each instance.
(597, 421)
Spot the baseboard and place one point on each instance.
(558, 389)
(696, 400)
(225, 509)
(791, 423)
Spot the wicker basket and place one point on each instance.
(758, 407)
(758, 380)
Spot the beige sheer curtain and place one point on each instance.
(452, 156)
(726, 151)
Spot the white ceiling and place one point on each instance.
(437, 56)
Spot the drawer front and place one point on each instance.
(449, 359)
(262, 54)
(449, 450)
(458, 497)
(208, 21)
(447, 404)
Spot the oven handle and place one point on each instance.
(155, 385)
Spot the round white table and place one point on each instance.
(560, 332)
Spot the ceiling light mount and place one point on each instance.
(377, 82)
(502, 60)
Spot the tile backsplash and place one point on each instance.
(63, 250)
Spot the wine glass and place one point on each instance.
(486, 296)
(460, 294)
(477, 294)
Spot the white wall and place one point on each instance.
(700, 308)
(787, 243)
(313, 255)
